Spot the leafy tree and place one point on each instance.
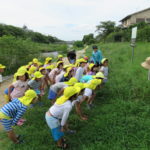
(78, 44)
(105, 28)
(89, 39)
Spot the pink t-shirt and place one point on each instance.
(19, 88)
(53, 72)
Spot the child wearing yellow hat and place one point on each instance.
(19, 86)
(69, 74)
(2, 67)
(60, 58)
(36, 83)
(80, 70)
(52, 75)
(58, 88)
(88, 96)
(92, 69)
(13, 111)
(104, 68)
(57, 116)
(48, 61)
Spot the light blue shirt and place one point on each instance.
(97, 56)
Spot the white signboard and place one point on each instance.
(134, 33)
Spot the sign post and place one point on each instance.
(133, 40)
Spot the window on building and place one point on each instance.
(138, 20)
(148, 20)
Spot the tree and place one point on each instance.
(88, 39)
(78, 44)
(105, 28)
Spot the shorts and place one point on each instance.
(7, 124)
(52, 95)
(54, 125)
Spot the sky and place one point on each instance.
(66, 19)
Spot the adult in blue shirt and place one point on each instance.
(96, 55)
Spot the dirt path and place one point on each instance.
(6, 83)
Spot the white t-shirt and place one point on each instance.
(104, 70)
(58, 86)
(1, 79)
(87, 92)
(59, 77)
(79, 73)
(61, 111)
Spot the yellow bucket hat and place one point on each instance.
(28, 97)
(32, 69)
(47, 60)
(58, 63)
(81, 85)
(50, 67)
(91, 66)
(100, 75)
(21, 72)
(35, 60)
(38, 75)
(60, 56)
(72, 81)
(42, 68)
(68, 92)
(94, 83)
(103, 60)
(82, 60)
(68, 70)
(2, 66)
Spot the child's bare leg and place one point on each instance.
(59, 142)
(12, 136)
(91, 99)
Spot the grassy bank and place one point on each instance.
(15, 52)
(120, 119)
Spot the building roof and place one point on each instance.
(134, 14)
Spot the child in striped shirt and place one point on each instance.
(13, 111)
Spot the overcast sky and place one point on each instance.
(66, 19)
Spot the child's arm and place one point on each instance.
(60, 92)
(79, 110)
(19, 115)
(9, 91)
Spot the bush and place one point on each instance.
(16, 52)
(78, 44)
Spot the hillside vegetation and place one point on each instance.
(119, 119)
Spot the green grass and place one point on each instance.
(120, 119)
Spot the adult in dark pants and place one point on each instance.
(71, 56)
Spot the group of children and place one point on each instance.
(69, 85)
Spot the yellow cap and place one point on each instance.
(28, 97)
(91, 66)
(103, 60)
(72, 81)
(29, 63)
(68, 92)
(100, 75)
(35, 60)
(58, 63)
(60, 56)
(2, 66)
(38, 75)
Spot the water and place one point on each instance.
(49, 54)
